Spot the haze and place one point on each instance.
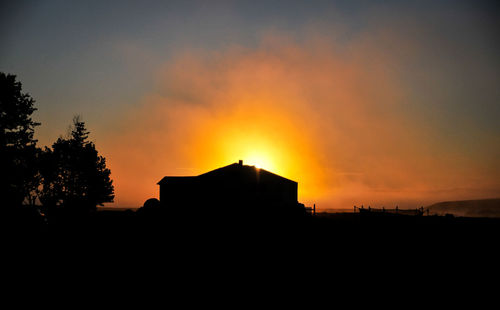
(361, 102)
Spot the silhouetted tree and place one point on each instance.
(19, 178)
(73, 174)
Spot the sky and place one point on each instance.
(378, 103)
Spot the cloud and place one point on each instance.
(333, 116)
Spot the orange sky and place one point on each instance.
(331, 118)
(379, 103)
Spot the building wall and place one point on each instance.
(216, 192)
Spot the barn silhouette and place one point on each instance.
(236, 188)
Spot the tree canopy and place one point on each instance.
(70, 175)
(74, 174)
(18, 151)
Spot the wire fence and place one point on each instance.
(417, 211)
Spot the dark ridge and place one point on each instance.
(468, 208)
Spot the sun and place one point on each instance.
(260, 161)
(262, 138)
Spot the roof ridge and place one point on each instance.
(220, 169)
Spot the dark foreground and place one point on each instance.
(325, 228)
(349, 250)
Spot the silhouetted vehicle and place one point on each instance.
(151, 207)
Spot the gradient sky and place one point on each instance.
(361, 102)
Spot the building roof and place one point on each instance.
(233, 171)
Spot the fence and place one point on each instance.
(418, 211)
(311, 210)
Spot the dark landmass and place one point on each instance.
(468, 208)
(322, 225)
(151, 241)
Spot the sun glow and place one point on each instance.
(264, 138)
(254, 147)
(260, 159)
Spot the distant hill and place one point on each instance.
(470, 208)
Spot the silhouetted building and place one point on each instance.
(234, 188)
